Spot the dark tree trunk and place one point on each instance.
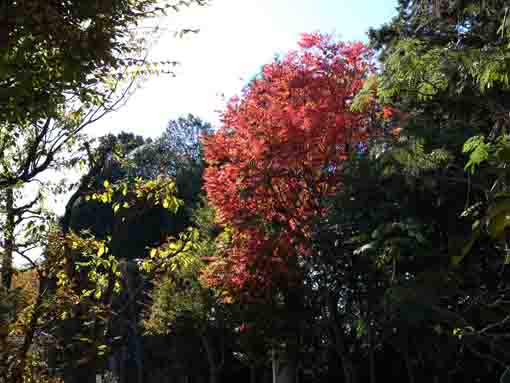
(214, 368)
(286, 367)
(409, 367)
(133, 322)
(253, 374)
(338, 340)
(8, 239)
(371, 353)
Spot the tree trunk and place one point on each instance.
(8, 239)
(371, 353)
(214, 369)
(338, 341)
(253, 374)
(130, 281)
(409, 367)
(138, 351)
(347, 365)
(284, 367)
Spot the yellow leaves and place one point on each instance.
(195, 235)
(126, 194)
(173, 266)
(102, 267)
(146, 266)
(457, 332)
(62, 279)
(102, 249)
(460, 332)
(174, 255)
(101, 349)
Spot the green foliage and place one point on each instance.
(174, 255)
(406, 264)
(101, 266)
(52, 52)
(155, 192)
(364, 98)
(9, 303)
(176, 153)
(128, 199)
(180, 293)
(446, 66)
(179, 296)
(410, 155)
(496, 152)
(416, 72)
(477, 150)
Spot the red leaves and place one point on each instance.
(279, 153)
(310, 40)
(388, 112)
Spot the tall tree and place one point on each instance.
(280, 152)
(271, 166)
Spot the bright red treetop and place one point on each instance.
(279, 150)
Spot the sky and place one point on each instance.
(236, 38)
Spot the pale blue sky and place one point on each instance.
(236, 38)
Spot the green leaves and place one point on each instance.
(365, 97)
(101, 349)
(174, 255)
(414, 71)
(128, 197)
(492, 69)
(478, 151)
(495, 152)
(498, 217)
(410, 154)
(101, 250)
(156, 192)
(101, 267)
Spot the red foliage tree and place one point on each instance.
(278, 154)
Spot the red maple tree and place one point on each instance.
(279, 153)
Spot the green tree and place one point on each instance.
(127, 158)
(445, 65)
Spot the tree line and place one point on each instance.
(347, 221)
